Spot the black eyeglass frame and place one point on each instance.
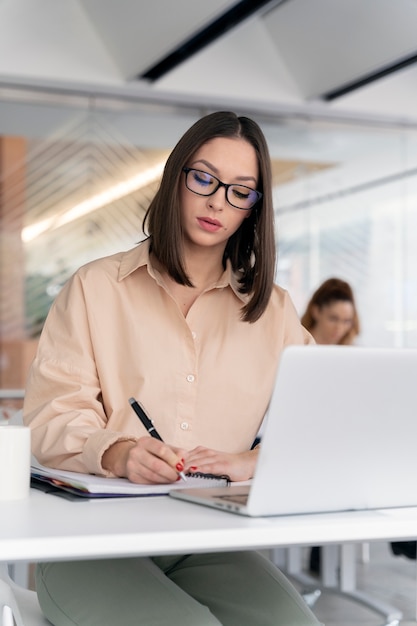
(227, 186)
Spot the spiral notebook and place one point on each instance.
(331, 439)
(61, 482)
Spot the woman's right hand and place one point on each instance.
(146, 461)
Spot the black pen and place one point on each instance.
(148, 424)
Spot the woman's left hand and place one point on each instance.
(237, 466)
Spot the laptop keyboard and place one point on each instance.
(238, 498)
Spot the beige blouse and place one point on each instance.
(114, 332)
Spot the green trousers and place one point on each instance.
(233, 589)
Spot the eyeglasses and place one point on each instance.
(205, 184)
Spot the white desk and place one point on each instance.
(46, 527)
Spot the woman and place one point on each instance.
(331, 315)
(332, 318)
(191, 324)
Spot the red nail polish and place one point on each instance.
(179, 467)
(193, 467)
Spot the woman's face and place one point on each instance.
(332, 321)
(209, 221)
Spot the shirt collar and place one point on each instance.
(230, 279)
(139, 257)
(134, 259)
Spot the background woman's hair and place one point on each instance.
(251, 249)
(332, 290)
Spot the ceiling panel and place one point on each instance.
(290, 52)
(326, 43)
(138, 33)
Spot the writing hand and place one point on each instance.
(146, 461)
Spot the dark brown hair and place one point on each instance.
(251, 249)
(332, 290)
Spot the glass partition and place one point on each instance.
(77, 174)
(354, 219)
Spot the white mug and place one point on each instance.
(14, 462)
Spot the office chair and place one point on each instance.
(20, 571)
(18, 605)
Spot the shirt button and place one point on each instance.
(184, 425)
(193, 335)
(190, 378)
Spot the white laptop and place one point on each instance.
(341, 434)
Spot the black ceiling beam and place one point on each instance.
(370, 78)
(207, 35)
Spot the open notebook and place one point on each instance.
(340, 435)
(61, 482)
